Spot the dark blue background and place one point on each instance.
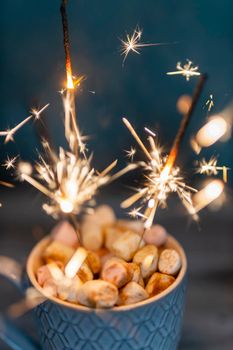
(32, 69)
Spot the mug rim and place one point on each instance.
(35, 253)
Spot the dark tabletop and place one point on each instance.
(208, 321)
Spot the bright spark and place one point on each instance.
(135, 213)
(68, 181)
(131, 153)
(9, 134)
(187, 70)
(67, 178)
(160, 182)
(132, 43)
(210, 103)
(150, 132)
(37, 113)
(211, 167)
(10, 163)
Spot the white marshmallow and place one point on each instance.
(98, 294)
(126, 245)
(132, 293)
(169, 262)
(92, 235)
(147, 259)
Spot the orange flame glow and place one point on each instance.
(69, 83)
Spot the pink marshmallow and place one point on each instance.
(156, 235)
(65, 233)
(43, 274)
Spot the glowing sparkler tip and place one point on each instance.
(162, 178)
(66, 206)
(70, 83)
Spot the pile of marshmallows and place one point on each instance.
(114, 265)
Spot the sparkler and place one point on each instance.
(68, 181)
(67, 178)
(211, 167)
(158, 185)
(187, 70)
(132, 43)
(9, 134)
(162, 178)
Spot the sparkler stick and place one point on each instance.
(67, 178)
(151, 210)
(184, 123)
(70, 84)
(69, 103)
(163, 177)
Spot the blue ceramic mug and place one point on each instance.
(153, 324)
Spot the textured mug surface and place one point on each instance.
(154, 324)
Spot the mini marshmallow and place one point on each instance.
(169, 262)
(117, 272)
(147, 259)
(50, 288)
(105, 215)
(156, 235)
(104, 254)
(111, 235)
(57, 251)
(132, 293)
(126, 246)
(67, 289)
(130, 225)
(92, 235)
(98, 294)
(136, 274)
(93, 261)
(43, 274)
(158, 283)
(65, 233)
(85, 273)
